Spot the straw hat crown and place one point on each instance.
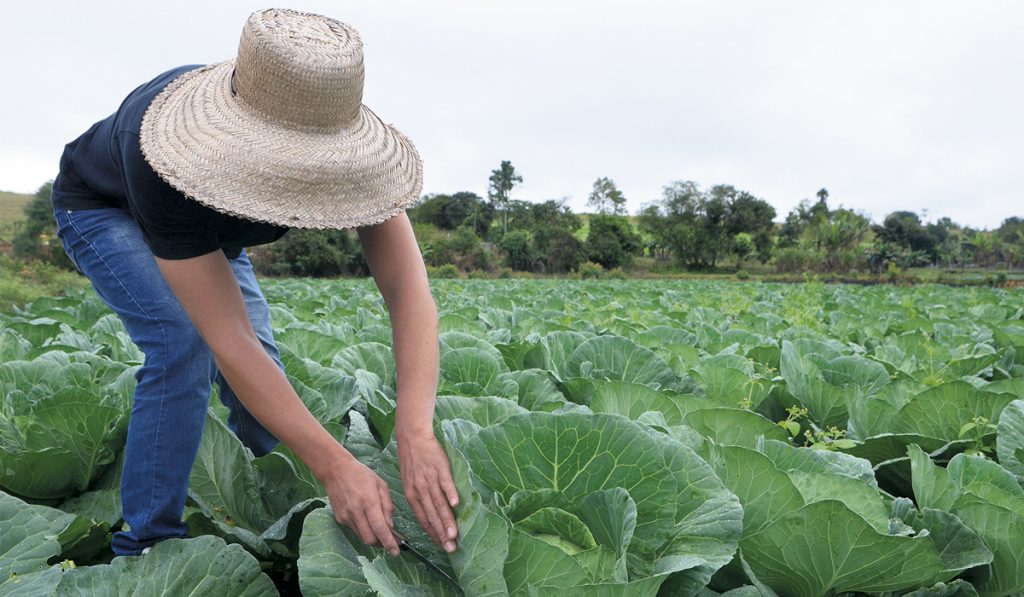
(296, 68)
(280, 134)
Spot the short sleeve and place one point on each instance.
(173, 225)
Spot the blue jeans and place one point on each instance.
(173, 391)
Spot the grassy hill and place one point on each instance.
(12, 210)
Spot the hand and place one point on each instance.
(427, 480)
(361, 502)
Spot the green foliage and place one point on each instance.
(839, 235)
(743, 247)
(607, 198)
(443, 271)
(798, 259)
(531, 216)
(12, 213)
(500, 185)
(559, 249)
(24, 281)
(700, 227)
(616, 273)
(904, 230)
(448, 212)
(518, 251)
(37, 240)
(835, 233)
(673, 438)
(590, 270)
(462, 249)
(612, 242)
(315, 253)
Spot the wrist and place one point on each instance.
(406, 433)
(331, 463)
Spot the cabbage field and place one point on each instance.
(608, 438)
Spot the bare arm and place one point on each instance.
(206, 288)
(394, 258)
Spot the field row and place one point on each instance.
(607, 438)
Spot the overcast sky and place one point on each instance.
(889, 105)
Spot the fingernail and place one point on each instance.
(449, 546)
(455, 502)
(451, 533)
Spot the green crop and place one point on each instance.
(607, 437)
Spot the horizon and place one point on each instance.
(780, 218)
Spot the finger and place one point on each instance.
(363, 529)
(380, 528)
(387, 505)
(449, 488)
(434, 518)
(414, 502)
(449, 532)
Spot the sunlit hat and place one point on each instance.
(280, 134)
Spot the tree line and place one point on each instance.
(688, 227)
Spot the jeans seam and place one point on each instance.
(64, 243)
(163, 368)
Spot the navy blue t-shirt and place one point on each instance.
(104, 167)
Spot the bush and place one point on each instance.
(616, 273)
(611, 241)
(448, 211)
(559, 250)
(315, 253)
(519, 254)
(503, 272)
(893, 272)
(591, 270)
(789, 260)
(443, 271)
(743, 275)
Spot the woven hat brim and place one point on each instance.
(209, 145)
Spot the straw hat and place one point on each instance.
(280, 134)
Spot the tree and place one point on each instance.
(317, 253)
(445, 211)
(526, 215)
(904, 229)
(700, 227)
(37, 238)
(984, 247)
(462, 248)
(480, 218)
(502, 181)
(549, 225)
(755, 217)
(606, 197)
(518, 251)
(840, 233)
(803, 216)
(743, 248)
(611, 241)
(558, 249)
